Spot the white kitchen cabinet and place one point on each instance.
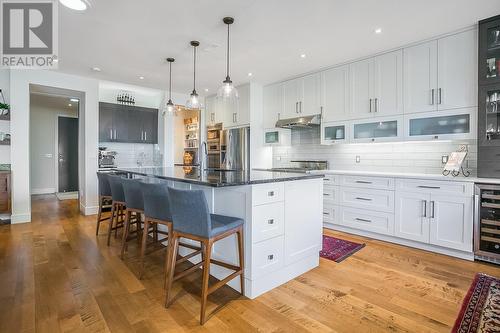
(240, 116)
(211, 111)
(387, 94)
(420, 77)
(377, 129)
(272, 104)
(277, 137)
(457, 71)
(451, 222)
(412, 220)
(360, 89)
(291, 97)
(367, 220)
(334, 132)
(335, 94)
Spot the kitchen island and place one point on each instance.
(282, 213)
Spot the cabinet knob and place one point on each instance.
(270, 194)
(270, 257)
(270, 221)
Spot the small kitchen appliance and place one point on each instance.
(106, 158)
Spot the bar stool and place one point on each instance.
(156, 212)
(192, 220)
(105, 200)
(134, 204)
(117, 205)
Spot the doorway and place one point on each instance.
(67, 154)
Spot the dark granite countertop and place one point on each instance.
(218, 178)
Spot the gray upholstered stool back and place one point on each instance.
(156, 203)
(133, 194)
(104, 188)
(190, 212)
(115, 182)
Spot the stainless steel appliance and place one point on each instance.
(235, 149)
(214, 158)
(303, 166)
(106, 158)
(300, 122)
(487, 223)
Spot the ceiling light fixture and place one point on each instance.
(194, 102)
(378, 30)
(170, 107)
(75, 4)
(250, 74)
(76, 100)
(141, 77)
(69, 104)
(227, 93)
(96, 69)
(303, 55)
(206, 89)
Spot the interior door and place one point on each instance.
(388, 84)
(360, 80)
(335, 94)
(67, 150)
(451, 222)
(412, 213)
(420, 77)
(457, 71)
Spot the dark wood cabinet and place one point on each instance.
(489, 51)
(126, 123)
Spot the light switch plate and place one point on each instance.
(358, 159)
(444, 159)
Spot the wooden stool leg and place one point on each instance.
(242, 260)
(143, 245)
(171, 267)
(125, 232)
(207, 250)
(155, 232)
(99, 215)
(168, 254)
(111, 221)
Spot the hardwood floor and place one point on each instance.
(56, 276)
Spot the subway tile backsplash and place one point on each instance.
(130, 155)
(411, 157)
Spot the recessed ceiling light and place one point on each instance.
(76, 100)
(250, 74)
(206, 89)
(74, 4)
(303, 55)
(96, 69)
(141, 77)
(378, 30)
(69, 104)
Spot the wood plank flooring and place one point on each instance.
(57, 276)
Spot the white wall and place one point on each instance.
(5, 124)
(20, 81)
(43, 152)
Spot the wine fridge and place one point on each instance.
(487, 223)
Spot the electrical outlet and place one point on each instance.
(358, 159)
(278, 158)
(444, 159)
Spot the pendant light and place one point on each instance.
(170, 107)
(227, 93)
(194, 102)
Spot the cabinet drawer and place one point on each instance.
(267, 256)
(436, 187)
(331, 214)
(379, 222)
(331, 179)
(268, 221)
(379, 200)
(267, 193)
(331, 194)
(368, 182)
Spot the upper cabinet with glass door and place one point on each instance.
(489, 115)
(489, 51)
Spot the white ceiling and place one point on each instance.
(53, 101)
(130, 38)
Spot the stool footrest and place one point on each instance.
(188, 271)
(222, 282)
(187, 257)
(190, 246)
(224, 264)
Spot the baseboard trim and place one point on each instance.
(48, 190)
(20, 218)
(88, 210)
(67, 195)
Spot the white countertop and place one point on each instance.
(410, 175)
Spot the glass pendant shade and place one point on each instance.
(227, 95)
(194, 101)
(170, 109)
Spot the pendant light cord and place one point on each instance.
(194, 66)
(227, 68)
(170, 83)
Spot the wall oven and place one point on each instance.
(487, 223)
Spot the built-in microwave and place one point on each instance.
(213, 145)
(277, 137)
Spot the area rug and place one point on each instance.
(480, 310)
(338, 249)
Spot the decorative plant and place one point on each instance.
(4, 106)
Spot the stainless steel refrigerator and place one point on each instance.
(235, 149)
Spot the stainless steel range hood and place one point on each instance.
(299, 122)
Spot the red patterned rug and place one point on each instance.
(338, 249)
(480, 310)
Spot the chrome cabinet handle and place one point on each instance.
(364, 199)
(115, 134)
(145, 136)
(325, 213)
(432, 209)
(370, 105)
(429, 187)
(270, 194)
(270, 257)
(296, 107)
(376, 104)
(326, 194)
(362, 220)
(363, 182)
(270, 221)
(111, 134)
(425, 208)
(432, 96)
(300, 107)
(439, 96)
